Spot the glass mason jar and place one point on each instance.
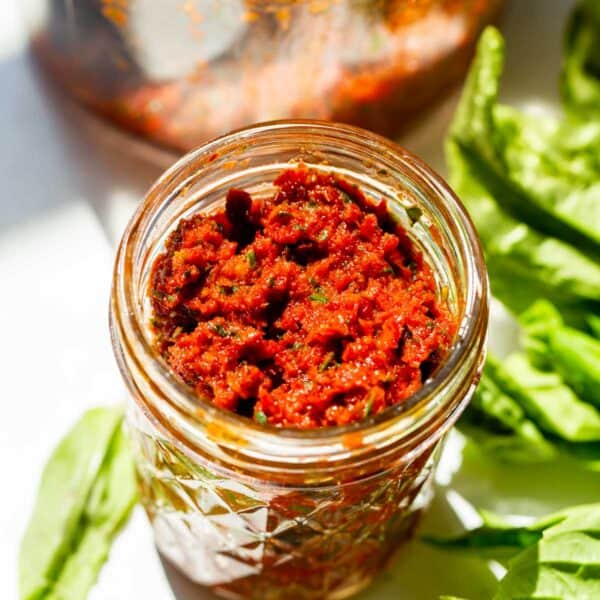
(182, 71)
(259, 512)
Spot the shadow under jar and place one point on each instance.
(261, 512)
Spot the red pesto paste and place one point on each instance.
(305, 309)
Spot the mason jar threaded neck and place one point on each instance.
(250, 158)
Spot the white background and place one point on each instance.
(67, 189)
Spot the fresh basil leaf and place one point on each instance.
(593, 322)
(497, 539)
(576, 356)
(555, 181)
(584, 518)
(110, 502)
(554, 569)
(571, 353)
(508, 539)
(580, 84)
(86, 490)
(548, 401)
(556, 558)
(497, 533)
(499, 426)
(586, 455)
(526, 231)
(533, 174)
(523, 265)
(532, 187)
(505, 421)
(537, 322)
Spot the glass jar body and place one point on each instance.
(221, 65)
(259, 512)
(255, 540)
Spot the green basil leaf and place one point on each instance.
(554, 176)
(111, 500)
(537, 167)
(523, 264)
(557, 557)
(514, 422)
(548, 401)
(557, 568)
(571, 353)
(586, 455)
(86, 491)
(509, 539)
(499, 426)
(580, 84)
(526, 231)
(593, 322)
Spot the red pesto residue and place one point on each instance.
(305, 309)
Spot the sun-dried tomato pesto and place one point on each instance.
(305, 309)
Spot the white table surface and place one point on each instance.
(67, 191)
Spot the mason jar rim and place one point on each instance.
(126, 316)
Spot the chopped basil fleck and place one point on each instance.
(219, 330)
(260, 417)
(228, 290)
(328, 360)
(414, 214)
(251, 258)
(412, 265)
(318, 297)
(347, 199)
(369, 403)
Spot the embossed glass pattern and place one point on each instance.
(255, 540)
(265, 513)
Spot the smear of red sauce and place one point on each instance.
(306, 309)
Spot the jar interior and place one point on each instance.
(203, 185)
(251, 159)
